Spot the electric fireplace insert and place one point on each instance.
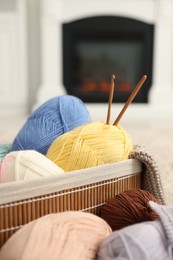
(94, 48)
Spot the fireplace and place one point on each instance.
(155, 97)
(94, 48)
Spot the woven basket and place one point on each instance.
(86, 190)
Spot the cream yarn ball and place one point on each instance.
(90, 145)
(26, 165)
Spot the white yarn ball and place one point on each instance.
(26, 165)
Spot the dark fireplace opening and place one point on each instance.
(94, 48)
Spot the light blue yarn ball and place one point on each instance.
(4, 150)
(52, 119)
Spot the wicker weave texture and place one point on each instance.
(89, 198)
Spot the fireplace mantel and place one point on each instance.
(160, 13)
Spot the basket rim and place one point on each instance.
(15, 191)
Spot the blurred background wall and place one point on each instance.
(19, 56)
(30, 53)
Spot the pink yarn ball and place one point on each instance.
(67, 235)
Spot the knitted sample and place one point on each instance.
(151, 180)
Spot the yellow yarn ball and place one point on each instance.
(90, 145)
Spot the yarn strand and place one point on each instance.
(130, 99)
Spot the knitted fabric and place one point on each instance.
(151, 180)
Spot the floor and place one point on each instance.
(157, 137)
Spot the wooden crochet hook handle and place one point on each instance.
(111, 93)
(130, 99)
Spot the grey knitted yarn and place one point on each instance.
(152, 240)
